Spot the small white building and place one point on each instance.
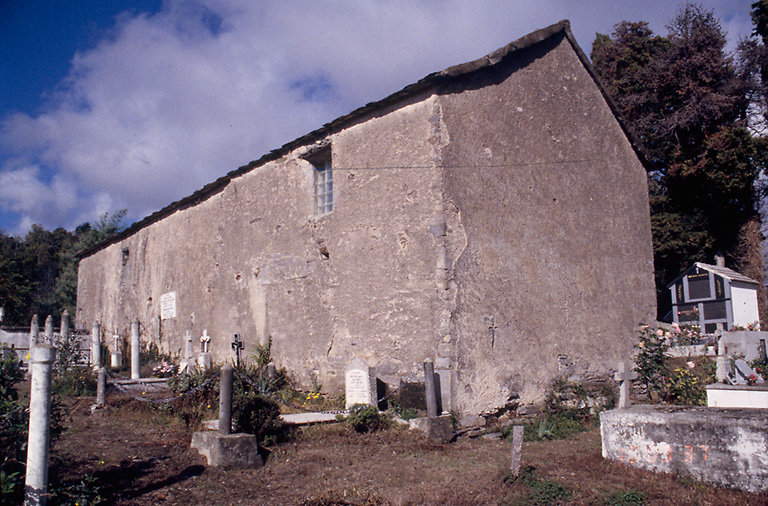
(714, 297)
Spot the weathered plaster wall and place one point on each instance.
(552, 204)
(728, 447)
(252, 258)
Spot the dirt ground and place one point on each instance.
(140, 457)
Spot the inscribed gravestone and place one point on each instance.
(168, 305)
(359, 384)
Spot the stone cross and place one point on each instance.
(237, 345)
(188, 352)
(625, 375)
(723, 370)
(204, 340)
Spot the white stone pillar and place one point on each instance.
(95, 346)
(135, 374)
(34, 332)
(36, 486)
(49, 329)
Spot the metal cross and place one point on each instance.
(237, 345)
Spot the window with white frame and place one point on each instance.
(323, 186)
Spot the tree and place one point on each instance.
(86, 235)
(689, 104)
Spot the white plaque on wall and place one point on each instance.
(168, 305)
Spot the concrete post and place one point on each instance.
(225, 400)
(49, 329)
(34, 332)
(101, 387)
(95, 346)
(135, 374)
(429, 388)
(271, 371)
(64, 326)
(517, 450)
(36, 485)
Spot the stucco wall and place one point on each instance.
(248, 259)
(553, 203)
(500, 228)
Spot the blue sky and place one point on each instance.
(132, 104)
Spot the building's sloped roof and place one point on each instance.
(726, 273)
(445, 76)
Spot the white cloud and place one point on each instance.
(171, 101)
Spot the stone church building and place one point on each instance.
(492, 217)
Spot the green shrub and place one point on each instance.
(256, 414)
(14, 420)
(684, 387)
(198, 395)
(651, 361)
(84, 492)
(75, 382)
(404, 413)
(366, 418)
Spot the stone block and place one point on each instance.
(239, 451)
(437, 429)
(737, 396)
(727, 447)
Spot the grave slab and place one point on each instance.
(308, 418)
(727, 447)
(360, 385)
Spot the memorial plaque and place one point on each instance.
(359, 385)
(168, 305)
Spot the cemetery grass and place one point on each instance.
(128, 454)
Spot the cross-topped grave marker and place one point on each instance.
(625, 374)
(237, 345)
(204, 340)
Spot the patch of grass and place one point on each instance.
(624, 498)
(539, 491)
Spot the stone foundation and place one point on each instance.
(228, 450)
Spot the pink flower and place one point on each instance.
(690, 365)
(659, 332)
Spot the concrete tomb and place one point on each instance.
(727, 447)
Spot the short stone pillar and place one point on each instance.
(34, 332)
(41, 365)
(49, 329)
(225, 400)
(95, 346)
(517, 450)
(271, 371)
(429, 389)
(101, 387)
(135, 374)
(723, 365)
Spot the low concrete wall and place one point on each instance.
(19, 339)
(727, 447)
(694, 350)
(743, 342)
(737, 396)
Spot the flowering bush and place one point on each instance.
(650, 362)
(684, 387)
(164, 369)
